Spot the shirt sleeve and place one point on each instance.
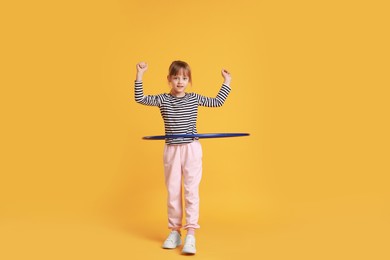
(149, 100)
(218, 101)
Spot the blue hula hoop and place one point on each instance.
(213, 135)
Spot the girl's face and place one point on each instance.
(178, 84)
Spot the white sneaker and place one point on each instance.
(173, 240)
(189, 245)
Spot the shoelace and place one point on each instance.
(190, 242)
(171, 237)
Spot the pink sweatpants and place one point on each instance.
(183, 163)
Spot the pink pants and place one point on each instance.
(183, 163)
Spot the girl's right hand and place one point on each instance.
(142, 67)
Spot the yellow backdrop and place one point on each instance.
(310, 83)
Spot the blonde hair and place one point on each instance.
(177, 66)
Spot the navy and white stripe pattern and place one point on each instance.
(180, 113)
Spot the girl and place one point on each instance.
(182, 156)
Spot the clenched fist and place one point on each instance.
(226, 76)
(142, 67)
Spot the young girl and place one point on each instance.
(182, 156)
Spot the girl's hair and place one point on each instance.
(178, 66)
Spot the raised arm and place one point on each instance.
(139, 90)
(223, 93)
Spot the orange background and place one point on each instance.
(310, 83)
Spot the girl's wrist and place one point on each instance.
(139, 76)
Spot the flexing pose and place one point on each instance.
(182, 156)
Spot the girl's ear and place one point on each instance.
(169, 80)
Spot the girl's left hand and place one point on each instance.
(226, 75)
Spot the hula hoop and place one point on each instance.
(213, 135)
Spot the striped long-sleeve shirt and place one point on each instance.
(180, 113)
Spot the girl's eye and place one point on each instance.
(184, 78)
